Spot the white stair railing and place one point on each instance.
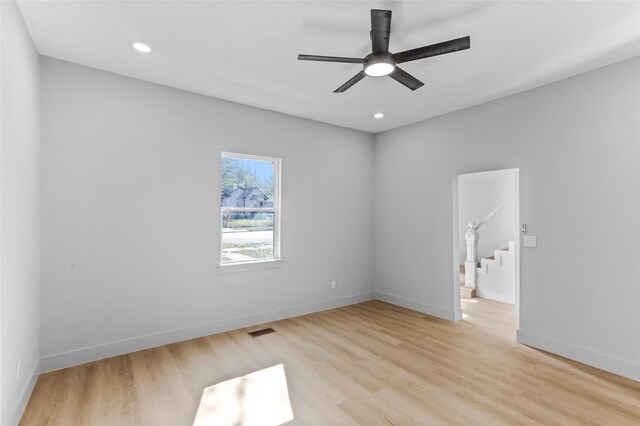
(472, 236)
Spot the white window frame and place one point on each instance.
(277, 258)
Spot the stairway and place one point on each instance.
(495, 276)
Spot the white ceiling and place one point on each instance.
(246, 52)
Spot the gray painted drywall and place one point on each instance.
(576, 143)
(478, 195)
(132, 219)
(20, 212)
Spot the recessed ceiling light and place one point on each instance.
(140, 46)
(378, 115)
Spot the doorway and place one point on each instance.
(486, 229)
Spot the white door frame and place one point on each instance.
(457, 306)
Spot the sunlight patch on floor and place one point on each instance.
(258, 398)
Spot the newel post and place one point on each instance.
(470, 265)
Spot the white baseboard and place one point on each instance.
(417, 306)
(458, 315)
(95, 353)
(585, 356)
(495, 296)
(21, 403)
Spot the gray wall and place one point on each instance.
(132, 211)
(20, 211)
(576, 143)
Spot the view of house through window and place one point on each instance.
(249, 201)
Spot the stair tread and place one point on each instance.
(467, 292)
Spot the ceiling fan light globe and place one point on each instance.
(379, 69)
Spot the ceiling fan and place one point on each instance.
(381, 62)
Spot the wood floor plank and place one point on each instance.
(369, 363)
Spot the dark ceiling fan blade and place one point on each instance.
(356, 78)
(405, 78)
(380, 29)
(450, 46)
(330, 59)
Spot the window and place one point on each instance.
(250, 208)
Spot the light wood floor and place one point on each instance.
(371, 363)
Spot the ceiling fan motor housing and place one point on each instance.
(378, 65)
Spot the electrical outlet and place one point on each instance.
(333, 284)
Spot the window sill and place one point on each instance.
(224, 268)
